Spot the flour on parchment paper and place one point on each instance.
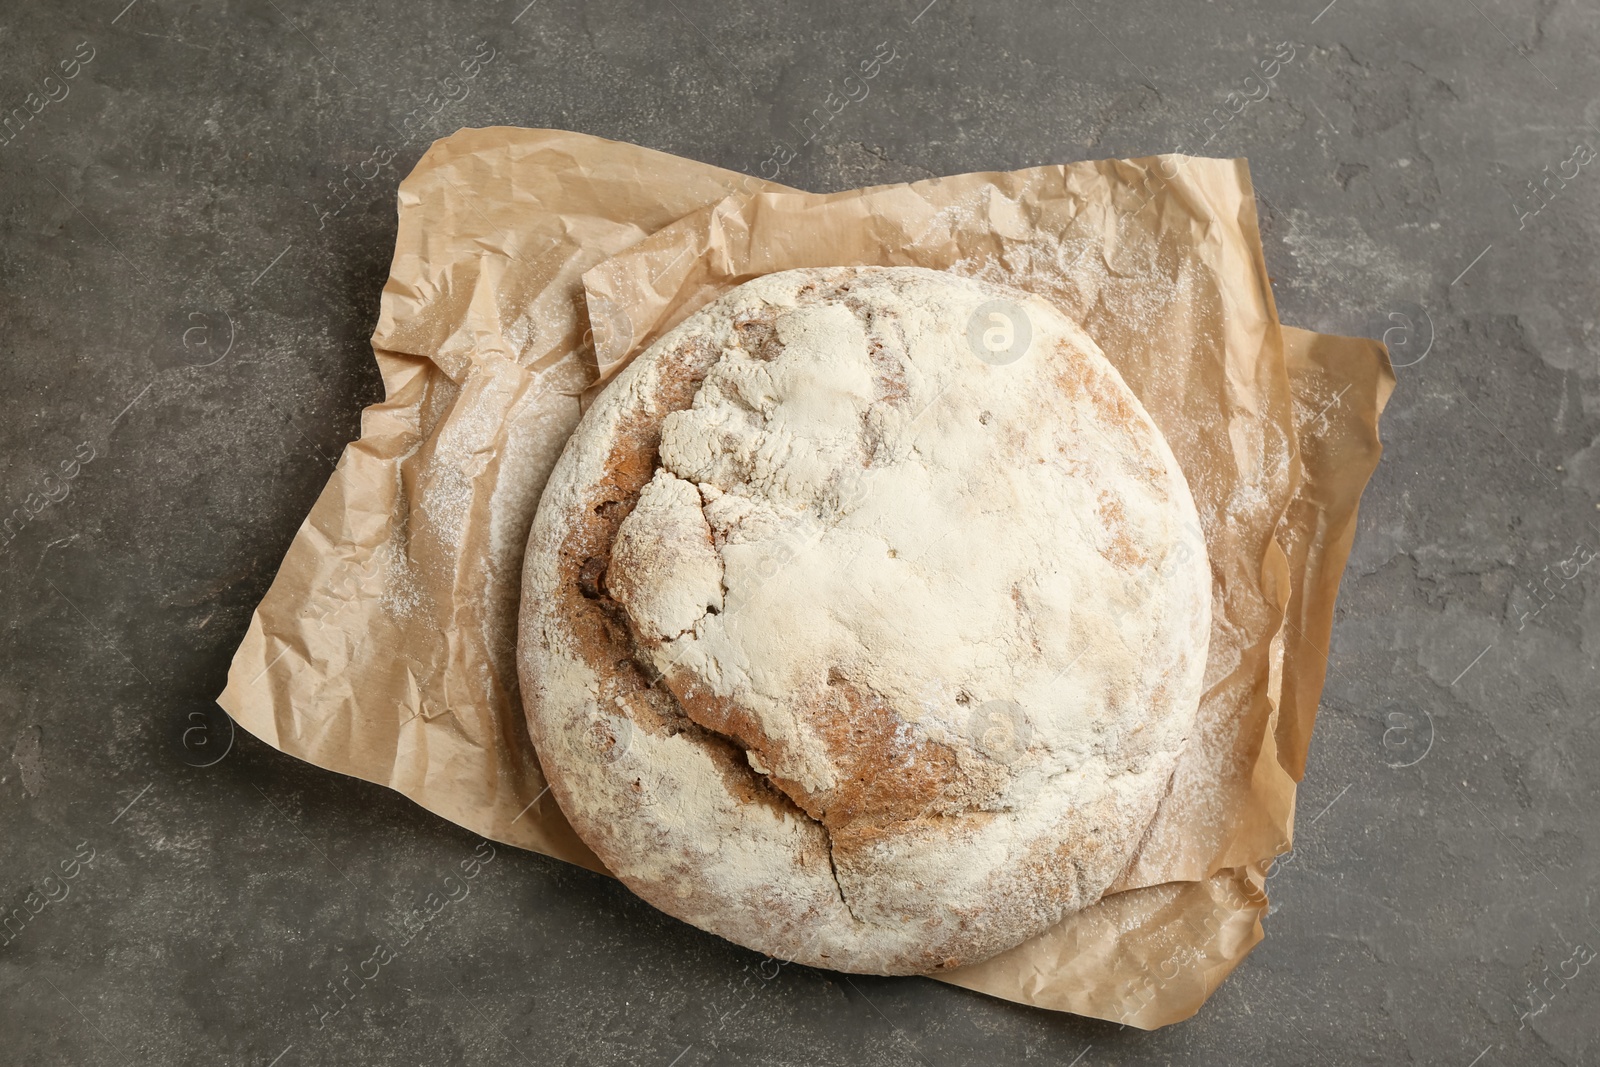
(479, 464)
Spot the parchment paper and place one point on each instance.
(531, 264)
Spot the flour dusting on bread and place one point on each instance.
(806, 545)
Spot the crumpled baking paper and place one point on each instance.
(531, 265)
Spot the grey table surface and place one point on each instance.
(1422, 171)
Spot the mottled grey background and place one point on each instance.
(1438, 907)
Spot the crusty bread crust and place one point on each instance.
(853, 645)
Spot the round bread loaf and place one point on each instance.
(863, 619)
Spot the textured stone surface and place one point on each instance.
(173, 197)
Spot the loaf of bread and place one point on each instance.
(863, 619)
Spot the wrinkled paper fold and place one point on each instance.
(531, 265)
